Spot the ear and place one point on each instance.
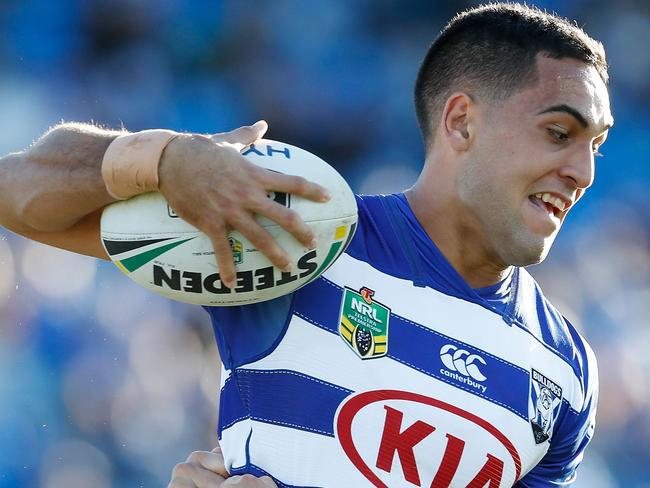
(457, 121)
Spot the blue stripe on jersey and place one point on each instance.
(419, 347)
(289, 399)
(390, 238)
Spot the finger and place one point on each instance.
(246, 481)
(243, 136)
(268, 481)
(199, 476)
(222, 252)
(181, 484)
(290, 221)
(296, 185)
(212, 461)
(262, 240)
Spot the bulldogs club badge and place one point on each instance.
(363, 324)
(543, 405)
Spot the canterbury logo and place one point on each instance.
(462, 361)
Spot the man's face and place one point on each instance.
(533, 158)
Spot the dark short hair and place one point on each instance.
(491, 51)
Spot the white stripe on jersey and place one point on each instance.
(465, 321)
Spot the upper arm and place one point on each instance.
(53, 191)
(558, 468)
(82, 238)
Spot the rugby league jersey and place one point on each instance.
(391, 371)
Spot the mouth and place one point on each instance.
(554, 206)
(546, 215)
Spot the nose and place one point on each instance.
(579, 167)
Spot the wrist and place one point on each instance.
(182, 151)
(131, 163)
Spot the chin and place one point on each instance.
(527, 253)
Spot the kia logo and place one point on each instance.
(401, 438)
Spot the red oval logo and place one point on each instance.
(406, 440)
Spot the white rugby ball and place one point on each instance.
(158, 250)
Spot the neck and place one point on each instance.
(461, 243)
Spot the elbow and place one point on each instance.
(39, 214)
(34, 216)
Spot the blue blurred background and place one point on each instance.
(105, 385)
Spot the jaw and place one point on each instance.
(523, 238)
(540, 218)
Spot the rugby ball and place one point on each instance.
(157, 249)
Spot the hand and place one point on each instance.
(213, 187)
(207, 470)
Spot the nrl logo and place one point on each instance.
(363, 324)
(544, 405)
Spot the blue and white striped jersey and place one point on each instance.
(390, 371)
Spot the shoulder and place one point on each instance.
(543, 320)
(536, 314)
(376, 240)
(575, 425)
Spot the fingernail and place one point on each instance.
(288, 267)
(326, 196)
(313, 244)
(259, 124)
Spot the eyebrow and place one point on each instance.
(569, 110)
(573, 112)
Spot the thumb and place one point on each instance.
(243, 136)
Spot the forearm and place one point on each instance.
(57, 181)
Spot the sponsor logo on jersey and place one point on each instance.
(363, 323)
(403, 439)
(543, 405)
(462, 366)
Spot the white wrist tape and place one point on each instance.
(130, 164)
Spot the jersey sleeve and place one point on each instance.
(375, 238)
(558, 468)
(249, 332)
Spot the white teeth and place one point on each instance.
(548, 198)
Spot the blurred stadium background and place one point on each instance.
(105, 385)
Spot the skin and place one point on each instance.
(53, 192)
(488, 159)
(207, 470)
(475, 195)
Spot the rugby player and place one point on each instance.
(424, 354)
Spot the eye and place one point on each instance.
(558, 135)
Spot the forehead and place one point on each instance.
(573, 83)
